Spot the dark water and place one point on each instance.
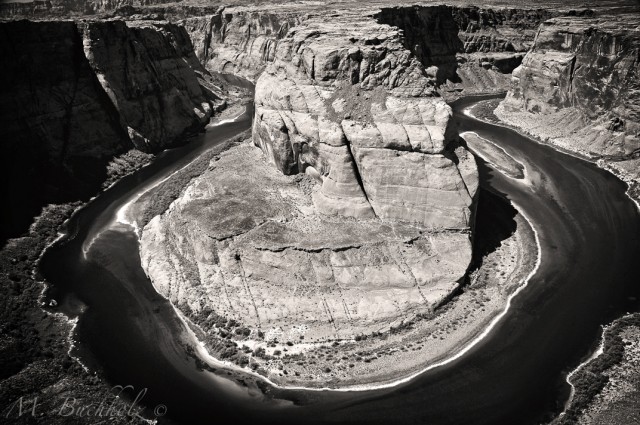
(590, 236)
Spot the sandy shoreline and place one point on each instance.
(600, 162)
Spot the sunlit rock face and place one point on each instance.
(462, 48)
(247, 242)
(579, 86)
(50, 8)
(346, 102)
(239, 42)
(348, 213)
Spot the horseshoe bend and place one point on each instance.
(352, 195)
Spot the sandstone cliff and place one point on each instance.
(467, 48)
(464, 47)
(239, 42)
(351, 219)
(579, 88)
(49, 8)
(347, 103)
(76, 94)
(150, 73)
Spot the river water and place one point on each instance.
(589, 233)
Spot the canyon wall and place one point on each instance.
(241, 42)
(468, 49)
(48, 8)
(463, 47)
(77, 94)
(347, 103)
(354, 215)
(579, 88)
(152, 76)
(246, 242)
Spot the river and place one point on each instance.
(589, 233)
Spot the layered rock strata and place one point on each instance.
(239, 42)
(152, 76)
(579, 88)
(464, 47)
(245, 242)
(352, 218)
(346, 103)
(467, 48)
(76, 94)
(49, 8)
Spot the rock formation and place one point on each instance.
(151, 75)
(241, 42)
(245, 241)
(76, 94)
(347, 103)
(352, 218)
(48, 8)
(463, 47)
(467, 48)
(579, 88)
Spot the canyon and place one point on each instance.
(470, 50)
(83, 93)
(578, 89)
(346, 221)
(353, 109)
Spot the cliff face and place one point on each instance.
(75, 95)
(347, 103)
(151, 75)
(246, 255)
(579, 87)
(463, 47)
(251, 246)
(48, 8)
(351, 218)
(466, 48)
(241, 42)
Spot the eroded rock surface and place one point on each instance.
(352, 217)
(465, 48)
(77, 94)
(348, 104)
(150, 73)
(579, 88)
(239, 42)
(246, 243)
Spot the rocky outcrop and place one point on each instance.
(579, 88)
(76, 94)
(353, 218)
(245, 243)
(239, 42)
(345, 102)
(150, 73)
(463, 47)
(467, 48)
(27, 9)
